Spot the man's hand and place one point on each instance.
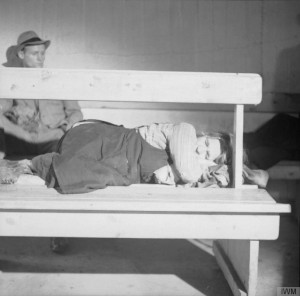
(46, 135)
(28, 136)
(16, 130)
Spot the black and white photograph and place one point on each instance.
(149, 147)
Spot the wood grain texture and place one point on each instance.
(134, 224)
(142, 198)
(136, 86)
(239, 257)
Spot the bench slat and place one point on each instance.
(142, 198)
(135, 86)
(139, 225)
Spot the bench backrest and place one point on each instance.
(140, 86)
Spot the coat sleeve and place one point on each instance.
(87, 175)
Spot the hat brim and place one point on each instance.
(39, 42)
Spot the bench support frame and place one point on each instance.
(238, 260)
(39, 212)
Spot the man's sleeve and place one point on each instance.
(5, 105)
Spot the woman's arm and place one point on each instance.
(180, 142)
(157, 134)
(182, 145)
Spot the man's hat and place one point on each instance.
(30, 38)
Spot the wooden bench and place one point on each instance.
(285, 170)
(236, 218)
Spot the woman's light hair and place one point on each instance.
(226, 140)
(226, 145)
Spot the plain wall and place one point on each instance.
(171, 35)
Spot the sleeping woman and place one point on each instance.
(214, 154)
(95, 154)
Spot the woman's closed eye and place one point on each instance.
(207, 142)
(208, 148)
(207, 156)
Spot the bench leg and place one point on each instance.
(238, 260)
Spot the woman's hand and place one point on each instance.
(165, 175)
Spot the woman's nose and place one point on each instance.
(201, 149)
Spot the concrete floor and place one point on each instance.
(278, 263)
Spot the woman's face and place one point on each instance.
(208, 148)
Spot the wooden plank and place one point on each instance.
(143, 198)
(229, 272)
(243, 256)
(150, 225)
(237, 156)
(138, 86)
(203, 244)
(49, 284)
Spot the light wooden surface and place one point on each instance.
(160, 211)
(139, 86)
(245, 214)
(67, 284)
(238, 260)
(143, 198)
(237, 156)
(243, 255)
(232, 277)
(138, 225)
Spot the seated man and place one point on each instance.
(33, 127)
(214, 150)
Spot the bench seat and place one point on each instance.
(172, 212)
(285, 170)
(151, 211)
